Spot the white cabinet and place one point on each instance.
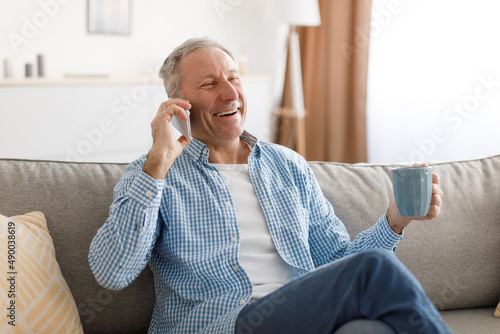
(96, 120)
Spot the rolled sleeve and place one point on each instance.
(384, 236)
(122, 246)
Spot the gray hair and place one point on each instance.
(170, 71)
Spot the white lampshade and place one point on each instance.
(294, 12)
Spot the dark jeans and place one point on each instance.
(372, 284)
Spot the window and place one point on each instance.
(433, 80)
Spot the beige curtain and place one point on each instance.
(334, 69)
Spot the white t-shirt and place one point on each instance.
(258, 255)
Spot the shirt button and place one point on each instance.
(234, 239)
(204, 151)
(235, 268)
(227, 203)
(243, 301)
(149, 193)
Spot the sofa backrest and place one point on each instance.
(456, 256)
(75, 199)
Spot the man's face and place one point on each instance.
(212, 85)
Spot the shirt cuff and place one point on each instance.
(145, 190)
(384, 236)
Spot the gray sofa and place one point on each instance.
(456, 257)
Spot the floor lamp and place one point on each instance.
(296, 13)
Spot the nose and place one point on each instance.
(228, 91)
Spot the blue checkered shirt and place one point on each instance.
(186, 228)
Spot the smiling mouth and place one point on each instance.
(227, 113)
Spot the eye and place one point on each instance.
(235, 78)
(209, 84)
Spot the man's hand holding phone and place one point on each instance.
(184, 127)
(166, 147)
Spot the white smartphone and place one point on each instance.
(184, 127)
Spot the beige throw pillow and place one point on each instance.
(34, 296)
(497, 311)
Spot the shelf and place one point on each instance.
(101, 80)
(76, 81)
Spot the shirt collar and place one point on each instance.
(198, 150)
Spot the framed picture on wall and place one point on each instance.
(109, 17)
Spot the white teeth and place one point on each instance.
(226, 113)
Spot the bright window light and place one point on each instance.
(433, 80)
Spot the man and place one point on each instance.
(234, 228)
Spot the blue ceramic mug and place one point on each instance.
(412, 190)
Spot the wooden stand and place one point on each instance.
(292, 130)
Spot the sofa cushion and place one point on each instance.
(75, 198)
(454, 256)
(472, 321)
(34, 291)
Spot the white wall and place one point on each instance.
(434, 80)
(58, 29)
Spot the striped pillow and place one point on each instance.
(34, 294)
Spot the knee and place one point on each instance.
(383, 265)
(378, 259)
